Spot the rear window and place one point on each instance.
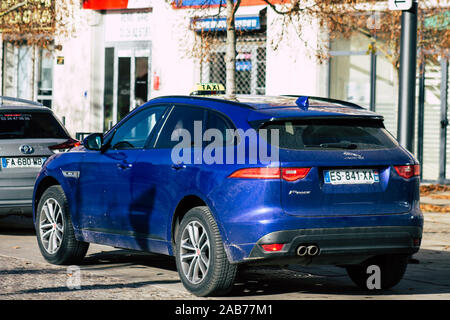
(331, 134)
(30, 125)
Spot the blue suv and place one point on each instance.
(220, 183)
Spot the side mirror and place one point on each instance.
(93, 141)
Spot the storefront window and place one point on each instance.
(432, 117)
(352, 68)
(123, 87)
(250, 65)
(386, 98)
(24, 71)
(350, 79)
(141, 80)
(108, 98)
(45, 82)
(9, 70)
(126, 80)
(20, 65)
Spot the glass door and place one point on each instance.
(126, 82)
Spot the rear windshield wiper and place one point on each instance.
(339, 145)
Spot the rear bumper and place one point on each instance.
(338, 246)
(16, 200)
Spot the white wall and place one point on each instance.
(291, 65)
(171, 39)
(72, 80)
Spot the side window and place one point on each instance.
(218, 122)
(179, 118)
(134, 132)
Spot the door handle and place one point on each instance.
(124, 165)
(178, 166)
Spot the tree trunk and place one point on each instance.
(230, 57)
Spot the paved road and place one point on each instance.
(110, 273)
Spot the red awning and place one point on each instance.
(115, 4)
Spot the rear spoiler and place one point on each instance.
(257, 124)
(341, 102)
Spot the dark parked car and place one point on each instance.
(29, 134)
(185, 176)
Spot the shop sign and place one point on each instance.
(127, 27)
(220, 24)
(26, 15)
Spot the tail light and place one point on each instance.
(273, 247)
(294, 174)
(65, 146)
(257, 173)
(408, 171)
(287, 174)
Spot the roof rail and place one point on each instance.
(3, 98)
(345, 103)
(220, 98)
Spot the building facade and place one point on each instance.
(125, 52)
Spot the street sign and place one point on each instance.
(400, 4)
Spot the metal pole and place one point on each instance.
(407, 81)
(444, 121)
(421, 114)
(373, 80)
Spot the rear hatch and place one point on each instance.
(355, 168)
(25, 140)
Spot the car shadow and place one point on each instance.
(427, 273)
(16, 225)
(120, 257)
(123, 286)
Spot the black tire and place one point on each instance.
(392, 268)
(69, 251)
(219, 277)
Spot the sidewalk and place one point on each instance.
(435, 198)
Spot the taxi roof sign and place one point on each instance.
(207, 89)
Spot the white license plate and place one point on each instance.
(23, 162)
(351, 176)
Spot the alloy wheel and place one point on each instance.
(51, 226)
(195, 252)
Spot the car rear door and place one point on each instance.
(343, 167)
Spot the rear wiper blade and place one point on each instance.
(340, 145)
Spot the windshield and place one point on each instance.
(331, 134)
(30, 125)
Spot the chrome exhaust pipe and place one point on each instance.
(313, 250)
(302, 251)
